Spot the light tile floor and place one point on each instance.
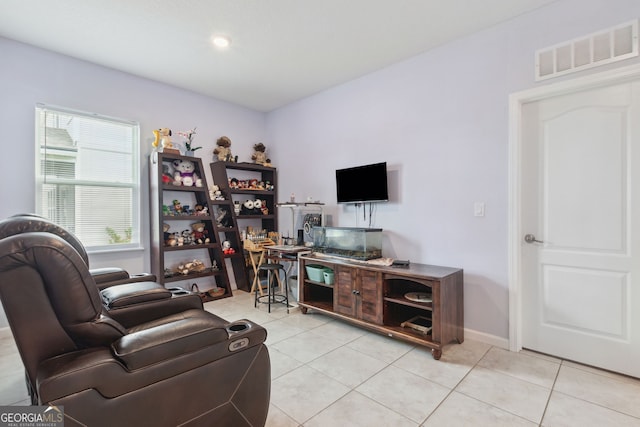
(327, 373)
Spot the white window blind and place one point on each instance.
(87, 176)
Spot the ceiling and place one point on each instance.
(281, 51)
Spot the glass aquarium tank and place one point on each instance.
(348, 242)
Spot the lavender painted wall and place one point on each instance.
(440, 120)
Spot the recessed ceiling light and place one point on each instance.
(221, 41)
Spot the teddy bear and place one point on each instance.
(169, 238)
(185, 173)
(223, 150)
(259, 156)
(200, 233)
(215, 193)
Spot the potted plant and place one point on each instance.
(188, 145)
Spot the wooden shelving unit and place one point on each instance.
(222, 173)
(164, 257)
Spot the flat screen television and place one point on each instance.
(367, 183)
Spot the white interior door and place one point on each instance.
(580, 199)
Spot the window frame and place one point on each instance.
(135, 185)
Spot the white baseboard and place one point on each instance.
(493, 340)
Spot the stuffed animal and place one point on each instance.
(166, 174)
(195, 266)
(168, 241)
(259, 155)
(223, 218)
(257, 206)
(215, 193)
(187, 237)
(201, 210)
(223, 150)
(162, 138)
(247, 207)
(200, 233)
(177, 207)
(172, 240)
(227, 249)
(185, 173)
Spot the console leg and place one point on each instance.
(436, 353)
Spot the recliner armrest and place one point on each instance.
(109, 274)
(194, 331)
(107, 277)
(133, 293)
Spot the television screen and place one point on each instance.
(366, 183)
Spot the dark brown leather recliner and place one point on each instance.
(104, 277)
(129, 299)
(190, 368)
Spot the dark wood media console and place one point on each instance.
(375, 297)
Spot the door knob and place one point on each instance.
(530, 238)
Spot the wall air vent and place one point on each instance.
(604, 47)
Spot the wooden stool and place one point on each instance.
(256, 287)
(273, 297)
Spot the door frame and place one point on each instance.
(515, 232)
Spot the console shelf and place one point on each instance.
(375, 297)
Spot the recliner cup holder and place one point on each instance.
(238, 327)
(176, 290)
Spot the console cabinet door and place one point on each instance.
(369, 295)
(357, 293)
(343, 289)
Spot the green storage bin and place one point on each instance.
(328, 276)
(315, 272)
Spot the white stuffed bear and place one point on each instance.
(215, 193)
(185, 173)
